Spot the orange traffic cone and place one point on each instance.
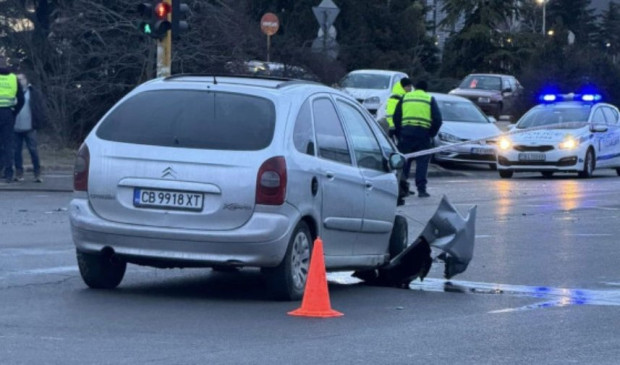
(315, 302)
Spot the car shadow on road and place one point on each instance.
(244, 285)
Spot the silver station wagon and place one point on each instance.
(228, 172)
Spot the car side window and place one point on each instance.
(303, 137)
(598, 117)
(611, 115)
(330, 138)
(506, 84)
(366, 149)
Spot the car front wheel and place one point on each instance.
(288, 280)
(588, 165)
(100, 270)
(506, 174)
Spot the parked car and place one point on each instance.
(463, 121)
(371, 87)
(573, 133)
(227, 172)
(495, 94)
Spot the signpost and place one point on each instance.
(269, 24)
(326, 14)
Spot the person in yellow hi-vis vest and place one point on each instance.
(417, 120)
(11, 102)
(398, 91)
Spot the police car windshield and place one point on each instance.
(366, 81)
(460, 111)
(554, 114)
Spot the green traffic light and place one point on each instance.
(147, 29)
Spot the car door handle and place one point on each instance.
(369, 185)
(330, 175)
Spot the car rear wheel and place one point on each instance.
(506, 174)
(588, 165)
(288, 280)
(101, 270)
(547, 173)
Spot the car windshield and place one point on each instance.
(460, 111)
(192, 119)
(481, 82)
(366, 81)
(551, 114)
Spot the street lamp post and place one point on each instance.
(544, 14)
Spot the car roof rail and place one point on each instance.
(286, 81)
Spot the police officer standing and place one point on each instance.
(398, 91)
(11, 102)
(417, 120)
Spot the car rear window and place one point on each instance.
(192, 119)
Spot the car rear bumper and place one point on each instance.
(261, 242)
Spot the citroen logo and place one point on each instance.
(169, 173)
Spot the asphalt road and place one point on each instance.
(543, 288)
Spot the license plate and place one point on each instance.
(167, 199)
(532, 157)
(482, 151)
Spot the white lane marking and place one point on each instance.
(49, 270)
(32, 252)
(589, 234)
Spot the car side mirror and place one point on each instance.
(599, 128)
(397, 161)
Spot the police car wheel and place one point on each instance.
(588, 165)
(505, 174)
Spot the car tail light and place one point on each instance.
(271, 182)
(80, 170)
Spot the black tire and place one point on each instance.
(505, 174)
(398, 242)
(588, 165)
(287, 281)
(547, 174)
(101, 270)
(399, 236)
(493, 166)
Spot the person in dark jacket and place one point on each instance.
(32, 117)
(417, 120)
(11, 102)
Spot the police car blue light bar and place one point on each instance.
(591, 97)
(550, 98)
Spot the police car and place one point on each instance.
(574, 133)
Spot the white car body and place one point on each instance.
(372, 95)
(463, 121)
(581, 146)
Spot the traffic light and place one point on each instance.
(179, 14)
(155, 19)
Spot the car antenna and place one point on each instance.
(214, 80)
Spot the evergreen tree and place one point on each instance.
(576, 16)
(609, 36)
